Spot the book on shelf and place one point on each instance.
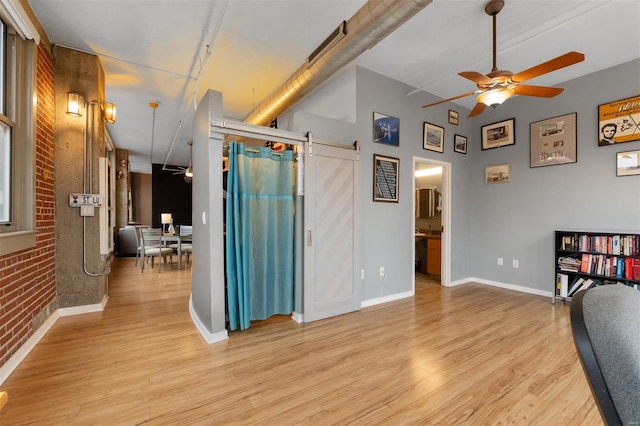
(635, 265)
(568, 264)
(575, 286)
(562, 283)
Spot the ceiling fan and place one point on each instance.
(187, 171)
(499, 85)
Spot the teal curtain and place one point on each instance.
(259, 234)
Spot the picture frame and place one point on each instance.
(496, 135)
(460, 144)
(386, 129)
(385, 178)
(497, 173)
(433, 137)
(619, 121)
(553, 141)
(453, 117)
(628, 163)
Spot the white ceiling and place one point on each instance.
(155, 50)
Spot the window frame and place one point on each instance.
(20, 111)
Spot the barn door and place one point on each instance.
(331, 260)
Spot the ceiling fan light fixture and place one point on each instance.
(496, 96)
(188, 172)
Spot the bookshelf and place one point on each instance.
(584, 259)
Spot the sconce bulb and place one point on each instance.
(74, 104)
(110, 112)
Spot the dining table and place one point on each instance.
(176, 239)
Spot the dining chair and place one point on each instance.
(138, 231)
(184, 230)
(152, 247)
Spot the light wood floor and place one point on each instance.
(470, 354)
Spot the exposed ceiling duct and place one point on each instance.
(375, 20)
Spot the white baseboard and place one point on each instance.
(15, 360)
(85, 309)
(385, 299)
(206, 334)
(504, 285)
(297, 317)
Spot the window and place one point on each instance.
(17, 140)
(5, 135)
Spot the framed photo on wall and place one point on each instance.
(553, 141)
(628, 163)
(460, 144)
(453, 117)
(433, 137)
(497, 173)
(619, 121)
(499, 134)
(386, 129)
(385, 178)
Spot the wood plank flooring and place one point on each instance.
(470, 354)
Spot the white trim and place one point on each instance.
(385, 299)
(12, 242)
(514, 287)
(15, 360)
(77, 310)
(445, 276)
(206, 334)
(18, 18)
(297, 317)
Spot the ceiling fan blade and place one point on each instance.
(546, 67)
(476, 77)
(477, 110)
(539, 91)
(449, 99)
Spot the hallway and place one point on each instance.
(469, 354)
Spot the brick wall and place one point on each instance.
(27, 278)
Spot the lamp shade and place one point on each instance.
(110, 112)
(74, 104)
(495, 96)
(165, 218)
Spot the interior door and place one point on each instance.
(331, 191)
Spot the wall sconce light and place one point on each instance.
(74, 104)
(110, 112)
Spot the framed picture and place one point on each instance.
(385, 178)
(553, 141)
(498, 173)
(460, 144)
(386, 129)
(499, 134)
(628, 163)
(453, 117)
(433, 137)
(619, 121)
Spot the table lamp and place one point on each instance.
(166, 219)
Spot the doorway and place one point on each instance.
(431, 220)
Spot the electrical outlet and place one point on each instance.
(516, 263)
(382, 271)
(362, 274)
(500, 261)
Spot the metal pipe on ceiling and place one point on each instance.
(375, 20)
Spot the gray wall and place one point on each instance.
(515, 220)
